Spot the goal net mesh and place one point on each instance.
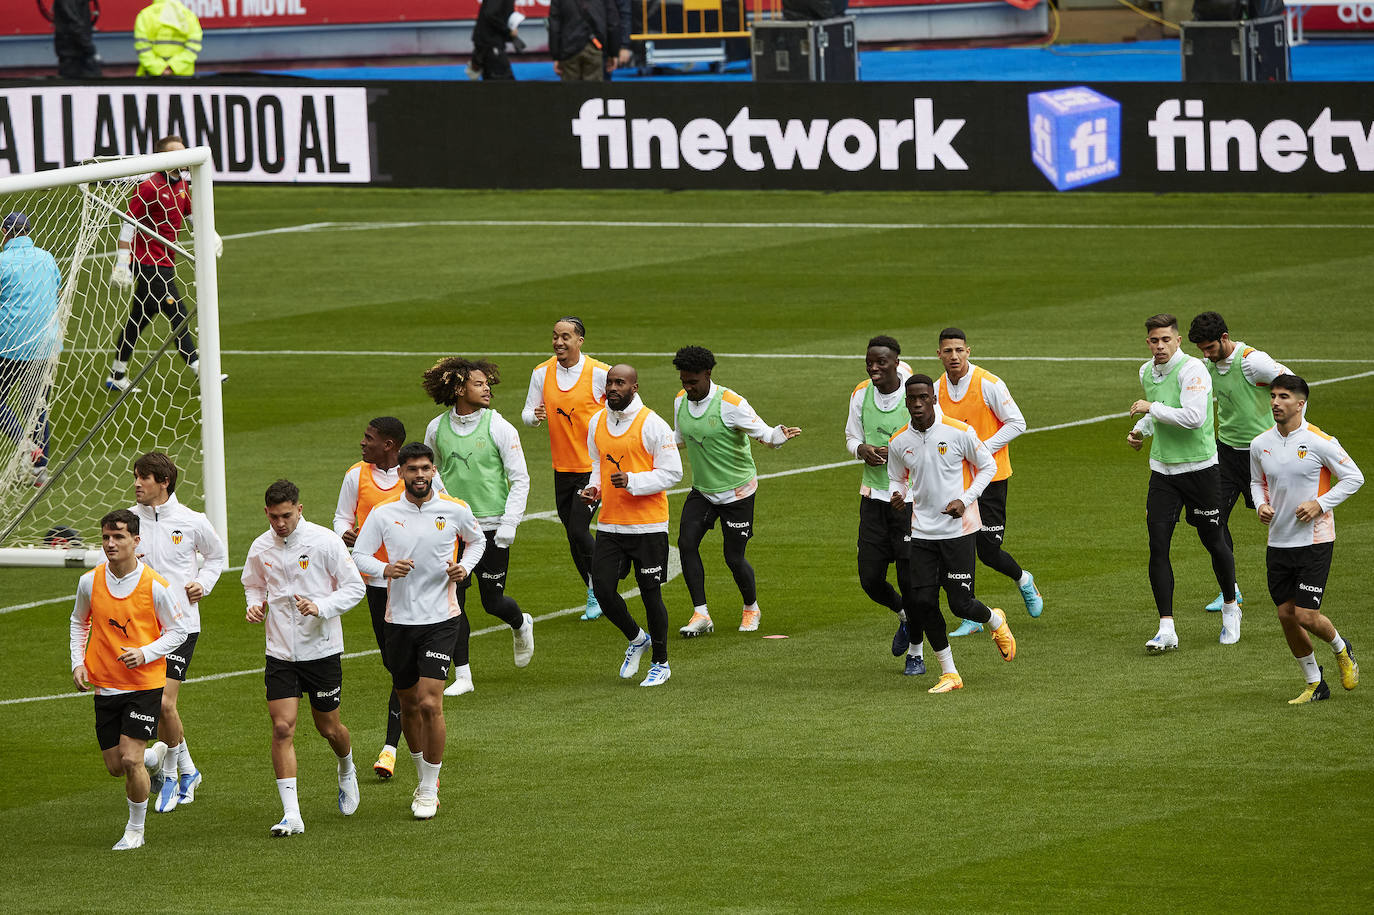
(55, 358)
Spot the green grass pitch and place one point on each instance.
(797, 774)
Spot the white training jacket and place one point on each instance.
(854, 423)
(1195, 392)
(661, 444)
(507, 441)
(947, 461)
(1288, 470)
(165, 605)
(311, 562)
(429, 535)
(169, 537)
(739, 416)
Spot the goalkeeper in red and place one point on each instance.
(160, 206)
(715, 424)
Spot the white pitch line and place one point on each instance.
(841, 226)
(674, 570)
(552, 515)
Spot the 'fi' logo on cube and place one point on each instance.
(1075, 136)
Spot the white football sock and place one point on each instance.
(997, 620)
(138, 814)
(946, 658)
(702, 610)
(419, 763)
(1338, 643)
(1310, 671)
(1025, 578)
(169, 761)
(346, 765)
(184, 759)
(1166, 625)
(429, 774)
(290, 802)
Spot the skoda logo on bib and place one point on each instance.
(439, 522)
(303, 562)
(176, 537)
(943, 448)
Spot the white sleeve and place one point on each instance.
(81, 619)
(595, 479)
(1260, 368)
(1349, 477)
(999, 400)
(348, 584)
(432, 432)
(743, 417)
(533, 397)
(475, 542)
(212, 549)
(369, 541)
(658, 441)
(254, 581)
(982, 458)
(897, 470)
(1259, 484)
(599, 384)
(507, 439)
(1195, 393)
(677, 411)
(347, 509)
(854, 423)
(173, 629)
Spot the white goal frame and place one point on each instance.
(198, 160)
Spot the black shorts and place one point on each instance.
(615, 553)
(1298, 573)
(884, 531)
(420, 651)
(1234, 465)
(1199, 491)
(155, 289)
(132, 714)
(992, 510)
(179, 658)
(946, 564)
(699, 515)
(321, 680)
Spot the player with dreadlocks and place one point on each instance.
(480, 461)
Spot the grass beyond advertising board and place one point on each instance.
(791, 774)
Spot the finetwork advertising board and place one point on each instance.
(1156, 137)
(1299, 137)
(316, 135)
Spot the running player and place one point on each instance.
(299, 579)
(946, 466)
(566, 389)
(875, 414)
(374, 480)
(1242, 405)
(1291, 467)
(422, 532)
(480, 461)
(641, 464)
(1183, 473)
(715, 424)
(124, 622)
(160, 205)
(173, 535)
(981, 399)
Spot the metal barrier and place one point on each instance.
(695, 31)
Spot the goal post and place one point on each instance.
(54, 404)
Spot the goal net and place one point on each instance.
(68, 438)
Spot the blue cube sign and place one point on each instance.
(1075, 136)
